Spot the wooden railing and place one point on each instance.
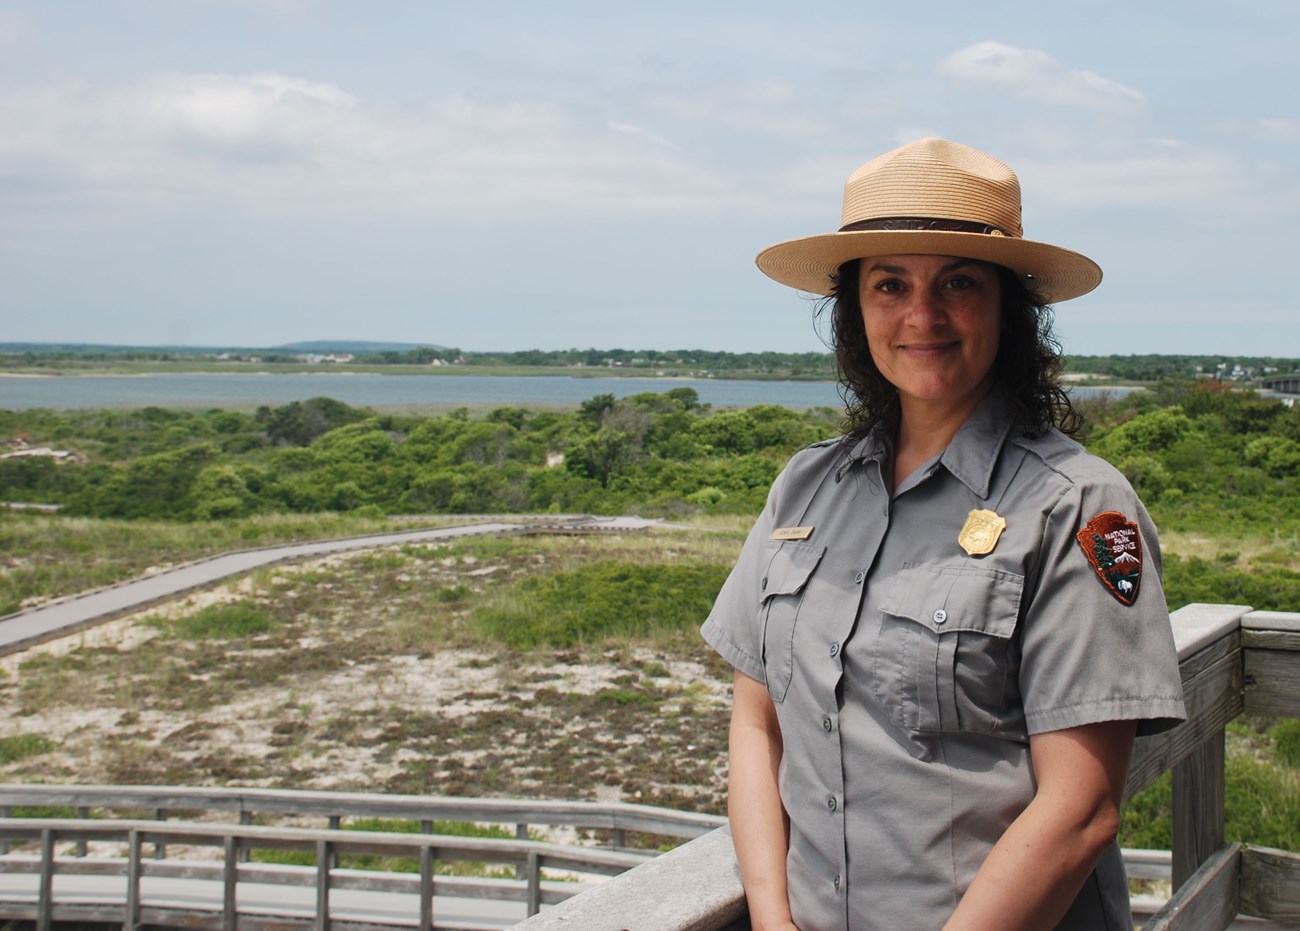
(218, 886)
(1234, 661)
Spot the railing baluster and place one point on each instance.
(1198, 807)
(230, 884)
(160, 848)
(245, 818)
(534, 884)
(426, 887)
(83, 813)
(324, 853)
(134, 867)
(336, 824)
(45, 900)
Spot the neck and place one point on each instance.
(925, 430)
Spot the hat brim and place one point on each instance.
(811, 262)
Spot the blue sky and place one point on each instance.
(509, 175)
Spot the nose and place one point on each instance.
(925, 310)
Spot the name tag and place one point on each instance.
(792, 533)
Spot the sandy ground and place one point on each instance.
(319, 705)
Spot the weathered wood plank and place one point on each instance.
(1208, 901)
(1270, 884)
(647, 898)
(1189, 667)
(1271, 640)
(1272, 683)
(1197, 625)
(1213, 698)
(1272, 620)
(1198, 808)
(616, 815)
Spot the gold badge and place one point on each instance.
(980, 535)
(792, 533)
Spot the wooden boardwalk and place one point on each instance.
(68, 615)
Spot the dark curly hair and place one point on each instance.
(1028, 363)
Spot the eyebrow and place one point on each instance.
(900, 270)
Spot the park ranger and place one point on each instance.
(947, 626)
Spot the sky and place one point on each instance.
(499, 175)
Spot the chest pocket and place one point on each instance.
(946, 658)
(789, 566)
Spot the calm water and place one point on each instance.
(366, 390)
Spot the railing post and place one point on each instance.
(534, 884)
(83, 813)
(245, 818)
(6, 811)
(45, 900)
(426, 887)
(336, 824)
(324, 854)
(1198, 807)
(133, 870)
(230, 884)
(160, 848)
(521, 833)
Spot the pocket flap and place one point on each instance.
(788, 568)
(945, 598)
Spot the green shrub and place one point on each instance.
(224, 622)
(601, 600)
(1286, 741)
(21, 746)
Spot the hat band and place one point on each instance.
(925, 224)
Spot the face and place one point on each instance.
(933, 324)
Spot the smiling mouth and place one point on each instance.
(929, 348)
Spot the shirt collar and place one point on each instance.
(973, 452)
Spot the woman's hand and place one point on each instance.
(1030, 879)
(760, 830)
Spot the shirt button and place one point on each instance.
(831, 803)
(940, 616)
(764, 583)
(837, 882)
(826, 723)
(835, 649)
(858, 577)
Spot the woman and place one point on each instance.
(947, 626)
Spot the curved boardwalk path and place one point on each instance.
(68, 615)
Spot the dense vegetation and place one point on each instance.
(1209, 460)
(661, 453)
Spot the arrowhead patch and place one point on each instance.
(1114, 547)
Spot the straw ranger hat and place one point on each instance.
(931, 197)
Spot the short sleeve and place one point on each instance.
(732, 627)
(1096, 640)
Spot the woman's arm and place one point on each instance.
(1032, 876)
(759, 827)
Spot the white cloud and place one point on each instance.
(1035, 75)
(272, 139)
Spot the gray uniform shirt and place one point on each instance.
(908, 675)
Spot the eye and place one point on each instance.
(960, 283)
(889, 285)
